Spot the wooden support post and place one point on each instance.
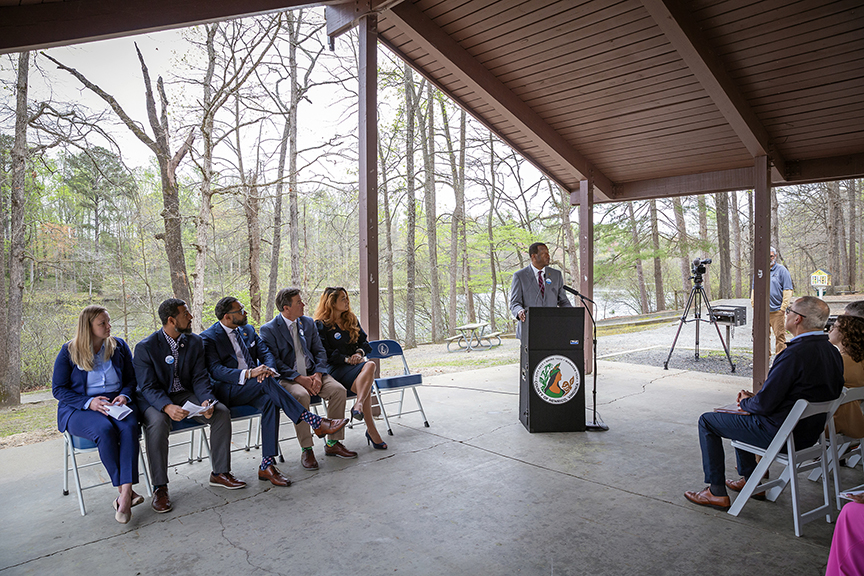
(370, 309)
(586, 260)
(761, 270)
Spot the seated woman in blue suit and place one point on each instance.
(346, 346)
(93, 371)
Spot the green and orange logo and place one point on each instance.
(556, 379)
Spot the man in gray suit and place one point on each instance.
(536, 285)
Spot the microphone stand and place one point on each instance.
(593, 426)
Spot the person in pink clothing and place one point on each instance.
(847, 547)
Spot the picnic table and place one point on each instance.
(472, 336)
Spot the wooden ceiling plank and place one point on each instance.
(821, 169)
(412, 22)
(679, 27)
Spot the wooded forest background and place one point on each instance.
(248, 189)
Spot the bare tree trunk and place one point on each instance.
(853, 234)
(466, 266)
(775, 221)
(10, 393)
(388, 246)
(640, 274)
(251, 205)
(659, 292)
(411, 207)
(834, 226)
(161, 147)
(273, 279)
(736, 240)
(202, 227)
(431, 218)
(703, 235)
(722, 207)
(490, 236)
(293, 210)
(456, 222)
(683, 243)
(570, 238)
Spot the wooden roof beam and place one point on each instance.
(44, 25)
(684, 34)
(412, 22)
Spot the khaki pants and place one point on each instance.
(331, 391)
(777, 321)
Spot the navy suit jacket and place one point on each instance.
(220, 357)
(69, 382)
(810, 368)
(155, 375)
(278, 339)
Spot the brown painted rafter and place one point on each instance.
(684, 34)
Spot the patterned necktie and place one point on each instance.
(540, 282)
(298, 350)
(247, 357)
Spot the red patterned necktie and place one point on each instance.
(540, 281)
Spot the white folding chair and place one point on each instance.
(842, 446)
(386, 349)
(76, 445)
(795, 461)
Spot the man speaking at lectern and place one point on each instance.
(536, 285)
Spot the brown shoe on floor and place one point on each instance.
(274, 476)
(339, 450)
(706, 498)
(738, 485)
(330, 426)
(307, 459)
(161, 503)
(226, 480)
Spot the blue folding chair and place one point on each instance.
(75, 445)
(385, 349)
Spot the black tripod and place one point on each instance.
(697, 295)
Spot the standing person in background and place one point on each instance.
(778, 301)
(92, 373)
(536, 285)
(346, 345)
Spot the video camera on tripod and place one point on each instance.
(697, 269)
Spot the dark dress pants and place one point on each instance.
(117, 441)
(750, 429)
(157, 427)
(254, 393)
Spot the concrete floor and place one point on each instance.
(473, 494)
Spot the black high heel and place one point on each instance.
(356, 414)
(381, 446)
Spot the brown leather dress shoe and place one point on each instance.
(307, 459)
(706, 498)
(274, 476)
(738, 485)
(330, 426)
(226, 480)
(161, 503)
(339, 450)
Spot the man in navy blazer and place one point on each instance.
(170, 370)
(536, 285)
(810, 368)
(240, 367)
(308, 377)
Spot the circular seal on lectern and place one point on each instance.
(556, 379)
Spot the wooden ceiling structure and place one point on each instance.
(614, 100)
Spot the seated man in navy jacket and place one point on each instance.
(810, 368)
(240, 367)
(169, 368)
(302, 361)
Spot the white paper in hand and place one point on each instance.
(196, 410)
(117, 411)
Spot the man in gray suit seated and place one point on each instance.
(536, 285)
